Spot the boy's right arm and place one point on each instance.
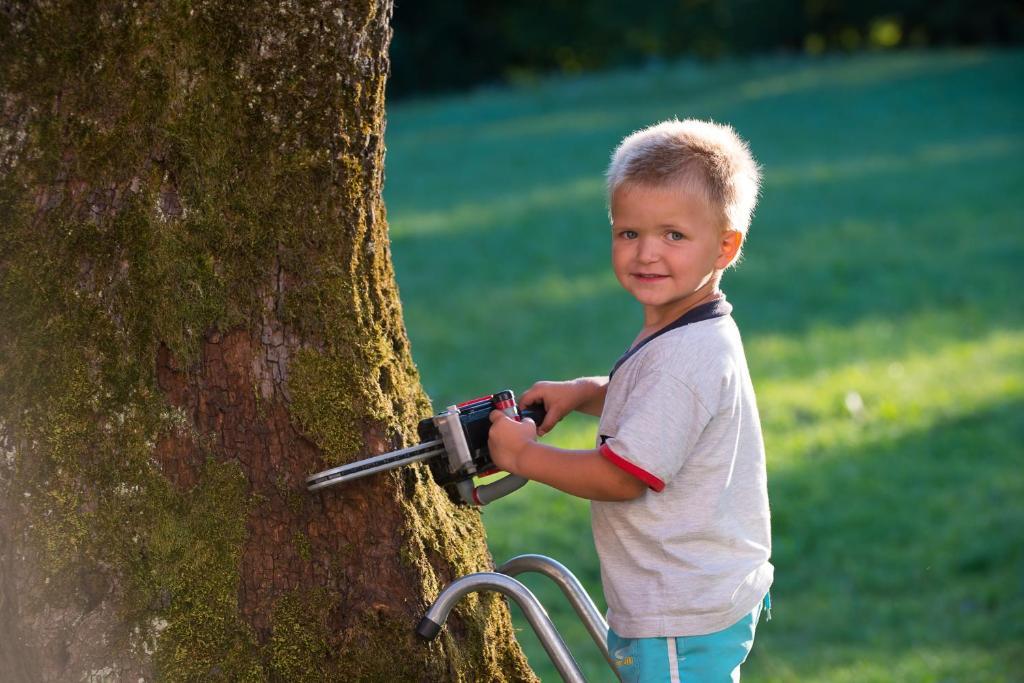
(585, 394)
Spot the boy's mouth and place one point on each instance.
(648, 276)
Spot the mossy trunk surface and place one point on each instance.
(198, 310)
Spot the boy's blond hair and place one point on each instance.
(696, 155)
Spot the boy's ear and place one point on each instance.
(728, 248)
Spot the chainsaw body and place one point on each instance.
(454, 444)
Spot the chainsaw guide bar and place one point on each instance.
(364, 468)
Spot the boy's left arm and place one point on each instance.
(586, 474)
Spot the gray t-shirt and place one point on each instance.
(689, 556)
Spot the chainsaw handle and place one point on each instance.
(535, 412)
(488, 493)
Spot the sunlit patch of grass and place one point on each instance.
(884, 397)
(871, 165)
(479, 215)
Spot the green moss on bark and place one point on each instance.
(195, 543)
(298, 648)
(334, 395)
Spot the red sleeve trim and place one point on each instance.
(643, 475)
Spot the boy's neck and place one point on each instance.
(657, 318)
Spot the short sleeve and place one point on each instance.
(660, 423)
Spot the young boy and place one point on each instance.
(680, 501)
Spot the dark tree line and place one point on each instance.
(452, 44)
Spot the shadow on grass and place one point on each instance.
(895, 545)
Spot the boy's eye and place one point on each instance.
(675, 235)
(627, 234)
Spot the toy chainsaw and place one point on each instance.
(454, 444)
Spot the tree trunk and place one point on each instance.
(199, 310)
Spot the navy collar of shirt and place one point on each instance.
(712, 309)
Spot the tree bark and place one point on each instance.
(199, 310)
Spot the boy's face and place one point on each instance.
(667, 246)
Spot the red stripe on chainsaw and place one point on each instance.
(501, 405)
(474, 400)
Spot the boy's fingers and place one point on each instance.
(527, 398)
(550, 420)
(529, 421)
(534, 396)
(496, 415)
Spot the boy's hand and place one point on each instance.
(508, 438)
(561, 398)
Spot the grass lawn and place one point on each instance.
(881, 304)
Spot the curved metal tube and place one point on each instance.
(549, 637)
(573, 590)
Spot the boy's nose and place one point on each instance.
(647, 251)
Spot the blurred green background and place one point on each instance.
(880, 302)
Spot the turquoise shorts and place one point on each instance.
(688, 659)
